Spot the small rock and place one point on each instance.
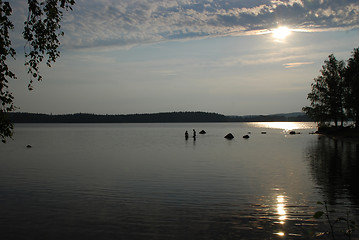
(229, 136)
(29, 146)
(202, 132)
(246, 136)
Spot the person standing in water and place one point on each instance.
(194, 133)
(186, 135)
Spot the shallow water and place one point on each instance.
(145, 181)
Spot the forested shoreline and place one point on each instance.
(21, 117)
(335, 93)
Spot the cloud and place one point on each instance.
(103, 23)
(296, 64)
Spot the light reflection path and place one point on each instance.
(281, 212)
(280, 209)
(287, 126)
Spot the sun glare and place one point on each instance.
(281, 33)
(287, 126)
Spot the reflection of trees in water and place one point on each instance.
(334, 165)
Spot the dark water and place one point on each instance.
(145, 181)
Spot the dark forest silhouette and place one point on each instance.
(150, 118)
(335, 93)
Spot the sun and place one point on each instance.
(281, 33)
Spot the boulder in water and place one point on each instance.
(229, 136)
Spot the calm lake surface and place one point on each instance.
(145, 181)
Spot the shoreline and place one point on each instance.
(340, 133)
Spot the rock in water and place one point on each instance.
(229, 136)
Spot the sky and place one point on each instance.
(234, 57)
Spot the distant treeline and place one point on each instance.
(149, 118)
(128, 118)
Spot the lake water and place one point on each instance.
(145, 181)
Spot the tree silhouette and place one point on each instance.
(41, 32)
(327, 95)
(352, 83)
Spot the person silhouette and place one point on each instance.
(186, 135)
(194, 133)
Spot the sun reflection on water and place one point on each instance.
(281, 211)
(280, 234)
(287, 126)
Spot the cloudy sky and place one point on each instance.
(225, 56)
